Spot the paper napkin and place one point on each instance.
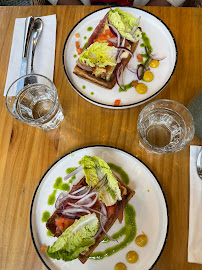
(195, 210)
(44, 58)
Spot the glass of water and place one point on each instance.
(33, 99)
(165, 126)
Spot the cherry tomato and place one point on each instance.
(139, 58)
(117, 102)
(134, 83)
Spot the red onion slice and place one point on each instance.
(83, 66)
(103, 222)
(59, 200)
(133, 70)
(86, 203)
(100, 184)
(72, 216)
(117, 77)
(126, 49)
(116, 32)
(82, 200)
(76, 197)
(136, 26)
(120, 50)
(73, 173)
(72, 211)
(140, 72)
(80, 190)
(159, 59)
(113, 40)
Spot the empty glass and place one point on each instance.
(33, 99)
(165, 126)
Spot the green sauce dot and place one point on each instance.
(75, 55)
(90, 28)
(71, 169)
(92, 93)
(65, 187)
(49, 233)
(45, 216)
(51, 198)
(83, 87)
(85, 37)
(58, 183)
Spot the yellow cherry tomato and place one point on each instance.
(141, 240)
(120, 266)
(154, 63)
(132, 257)
(141, 88)
(148, 76)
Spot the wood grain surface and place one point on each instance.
(27, 152)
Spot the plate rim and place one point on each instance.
(120, 106)
(92, 146)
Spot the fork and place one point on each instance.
(199, 164)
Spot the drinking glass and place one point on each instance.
(33, 99)
(165, 126)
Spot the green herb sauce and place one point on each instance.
(51, 198)
(129, 230)
(75, 55)
(83, 87)
(90, 28)
(69, 170)
(120, 171)
(49, 233)
(85, 37)
(147, 43)
(126, 87)
(45, 216)
(84, 46)
(92, 93)
(61, 185)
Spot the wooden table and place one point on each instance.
(27, 152)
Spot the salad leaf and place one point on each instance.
(95, 169)
(75, 239)
(124, 22)
(99, 54)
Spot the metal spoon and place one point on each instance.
(37, 29)
(36, 33)
(199, 164)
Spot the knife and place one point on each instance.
(29, 23)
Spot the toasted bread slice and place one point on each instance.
(126, 194)
(87, 75)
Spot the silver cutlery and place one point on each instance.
(199, 164)
(29, 23)
(37, 30)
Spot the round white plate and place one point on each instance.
(163, 44)
(149, 203)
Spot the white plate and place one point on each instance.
(151, 211)
(163, 44)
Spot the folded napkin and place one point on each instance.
(195, 210)
(45, 51)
